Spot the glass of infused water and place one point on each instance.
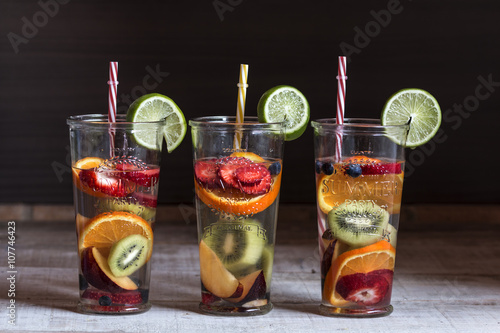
(237, 179)
(359, 168)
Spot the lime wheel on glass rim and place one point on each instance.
(155, 107)
(285, 104)
(415, 107)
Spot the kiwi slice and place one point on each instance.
(267, 264)
(358, 222)
(127, 205)
(128, 255)
(391, 234)
(238, 244)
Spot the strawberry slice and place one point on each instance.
(364, 289)
(251, 174)
(105, 182)
(104, 298)
(206, 172)
(258, 187)
(380, 169)
(145, 177)
(145, 199)
(227, 168)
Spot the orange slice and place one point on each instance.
(380, 255)
(107, 228)
(251, 156)
(84, 164)
(385, 190)
(233, 201)
(361, 159)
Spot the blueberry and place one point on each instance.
(327, 168)
(319, 167)
(354, 170)
(144, 295)
(83, 283)
(275, 168)
(105, 301)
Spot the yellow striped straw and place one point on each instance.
(240, 109)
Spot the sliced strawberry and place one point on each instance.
(386, 273)
(206, 172)
(127, 297)
(143, 176)
(364, 289)
(380, 169)
(227, 168)
(145, 199)
(106, 182)
(259, 187)
(251, 174)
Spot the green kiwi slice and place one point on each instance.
(238, 244)
(358, 222)
(127, 205)
(128, 255)
(267, 264)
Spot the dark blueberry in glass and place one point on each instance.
(328, 168)
(105, 301)
(319, 167)
(354, 170)
(275, 168)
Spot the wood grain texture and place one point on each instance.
(444, 282)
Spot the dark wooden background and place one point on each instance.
(60, 68)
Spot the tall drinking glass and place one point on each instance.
(116, 168)
(237, 178)
(359, 182)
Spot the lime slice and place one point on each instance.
(416, 107)
(285, 103)
(155, 107)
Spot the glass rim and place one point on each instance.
(355, 123)
(101, 120)
(224, 121)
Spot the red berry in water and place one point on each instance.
(364, 289)
(206, 172)
(251, 174)
(227, 168)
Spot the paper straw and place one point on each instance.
(113, 87)
(341, 90)
(240, 108)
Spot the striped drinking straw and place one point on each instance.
(240, 108)
(113, 87)
(341, 78)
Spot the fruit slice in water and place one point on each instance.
(358, 222)
(128, 255)
(419, 108)
(96, 270)
(214, 276)
(86, 163)
(233, 201)
(238, 245)
(106, 229)
(288, 104)
(380, 255)
(155, 107)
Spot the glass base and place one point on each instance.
(236, 311)
(113, 309)
(360, 313)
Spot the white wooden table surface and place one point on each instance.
(445, 281)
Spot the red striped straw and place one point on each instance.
(341, 78)
(113, 87)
